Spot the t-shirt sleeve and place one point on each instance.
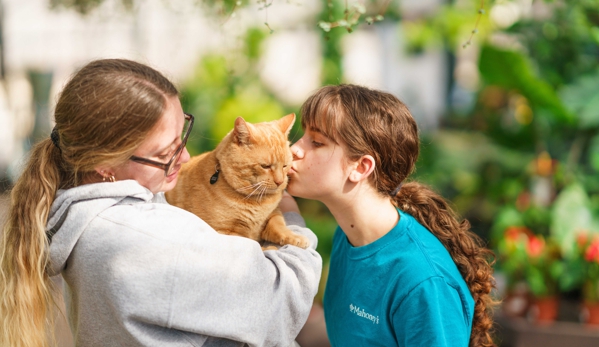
(432, 314)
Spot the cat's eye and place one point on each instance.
(265, 166)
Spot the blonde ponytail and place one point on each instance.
(26, 292)
(102, 115)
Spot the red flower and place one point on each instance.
(592, 252)
(535, 246)
(513, 233)
(582, 239)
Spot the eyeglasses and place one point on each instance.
(168, 167)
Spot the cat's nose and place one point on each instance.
(279, 181)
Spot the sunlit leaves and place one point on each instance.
(571, 213)
(582, 98)
(511, 70)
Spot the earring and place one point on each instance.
(109, 178)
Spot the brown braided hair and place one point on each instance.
(371, 122)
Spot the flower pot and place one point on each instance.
(589, 313)
(543, 310)
(516, 302)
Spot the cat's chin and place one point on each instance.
(273, 191)
(265, 192)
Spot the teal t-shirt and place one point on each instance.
(401, 290)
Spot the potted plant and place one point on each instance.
(543, 269)
(583, 270)
(511, 260)
(537, 261)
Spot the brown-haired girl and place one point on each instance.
(89, 206)
(404, 271)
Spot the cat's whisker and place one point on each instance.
(250, 194)
(254, 186)
(258, 185)
(264, 189)
(261, 193)
(254, 201)
(251, 186)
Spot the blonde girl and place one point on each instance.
(89, 206)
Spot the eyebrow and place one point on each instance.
(175, 140)
(162, 149)
(320, 132)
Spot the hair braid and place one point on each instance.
(376, 123)
(473, 260)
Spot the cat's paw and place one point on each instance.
(295, 240)
(269, 248)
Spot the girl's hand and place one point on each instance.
(288, 203)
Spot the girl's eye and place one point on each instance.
(317, 144)
(162, 157)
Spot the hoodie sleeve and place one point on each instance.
(190, 278)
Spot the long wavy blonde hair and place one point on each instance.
(376, 123)
(102, 115)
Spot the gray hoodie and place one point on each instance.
(140, 272)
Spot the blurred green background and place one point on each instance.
(515, 145)
(520, 148)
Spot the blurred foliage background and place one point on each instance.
(523, 151)
(517, 146)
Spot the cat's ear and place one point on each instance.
(286, 123)
(241, 132)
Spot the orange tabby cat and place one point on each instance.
(237, 187)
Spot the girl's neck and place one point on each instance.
(364, 217)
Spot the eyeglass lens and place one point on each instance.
(180, 150)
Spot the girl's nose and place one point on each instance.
(184, 156)
(297, 152)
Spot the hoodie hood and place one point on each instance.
(73, 209)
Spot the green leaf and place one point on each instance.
(570, 215)
(594, 152)
(573, 274)
(512, 71)
(536, 282)
(582, 99)
(507, 216)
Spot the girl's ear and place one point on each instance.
(362, 168)
(104, 172)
